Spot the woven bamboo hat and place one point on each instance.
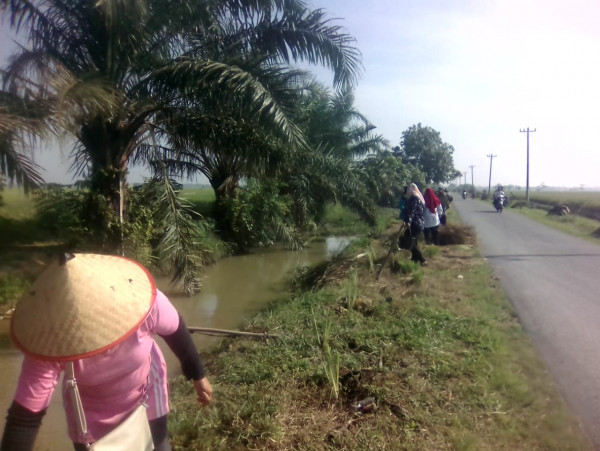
(82, 306)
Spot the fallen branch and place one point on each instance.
(231, 333)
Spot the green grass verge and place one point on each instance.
(444, 357)
(584, 220)
(572, 224)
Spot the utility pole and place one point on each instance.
(527, 185)
(491, 157)
(472, 185)
(465, 174)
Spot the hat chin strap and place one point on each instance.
(76, 401)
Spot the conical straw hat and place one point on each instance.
(82, 307)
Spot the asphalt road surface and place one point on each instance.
(553, 282)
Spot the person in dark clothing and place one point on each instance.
(414, 220)
(445, 198)
(402, 204)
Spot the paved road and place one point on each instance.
(553, 282)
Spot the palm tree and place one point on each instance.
(112, 66)
(340, 137)
(112, 71)
(16, 166)
(226, 143)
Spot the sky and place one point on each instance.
(478, 72)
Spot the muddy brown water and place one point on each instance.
(232, 290)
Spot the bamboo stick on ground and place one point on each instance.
(232, 333)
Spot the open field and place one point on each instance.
(582, 203)
(16, 205)
(584, 220)
(583, 198)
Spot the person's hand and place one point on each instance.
(203, 390)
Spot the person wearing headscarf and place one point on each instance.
(414, 220)
(94, 317)
(433, 212)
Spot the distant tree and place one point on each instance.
(423, 148)
(386, 176)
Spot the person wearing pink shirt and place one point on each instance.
(101, 313)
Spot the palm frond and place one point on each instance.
(17, 167)
(234, 85)
(312, 37)
(177, 242)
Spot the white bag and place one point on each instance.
(133, 434)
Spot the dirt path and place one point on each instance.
(553, 282)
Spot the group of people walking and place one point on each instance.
(423, 213)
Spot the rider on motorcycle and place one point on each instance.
(499, 198)
(499, 193)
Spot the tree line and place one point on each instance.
(185, 88)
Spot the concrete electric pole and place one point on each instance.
(472, 185)
(491, 157)
(527, 185)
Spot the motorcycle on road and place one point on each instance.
(500, 201)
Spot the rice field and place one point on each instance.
(581, 198)
(16, 204)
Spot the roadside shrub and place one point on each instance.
(86, 222)
(261, 216)
(77, 217)
(11, 289)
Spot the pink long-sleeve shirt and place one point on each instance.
(111, 384)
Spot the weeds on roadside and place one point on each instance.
(446, 361)
(331, 359)
(350, 289)
(431, 251)
(370, 257)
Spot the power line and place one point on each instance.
(491, 157)
(527, 185)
